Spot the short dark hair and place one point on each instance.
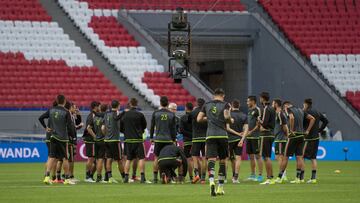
(200, 102)
(60, 99)
(164, 101)
(278, 102)
(286, 102)
(54, 103)
(236, 103)
(103, 107)
(189, 106)
(265, 96)
(94, 104)
(115, 104)
(68, 105)
(219, 92)
(133, 102)
(308, 101)
(252, 98)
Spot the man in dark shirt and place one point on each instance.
(239, 126)
(96, 130)
(267, 124)
(90, 143)
(59, 126)
(170, 158)
(295, 143)
(185, 127)
(113, 149)
(252, 139)
(198, 143)
(281, 133)
(163, 125)
(312, 139)
(217, 114)
(133, 125)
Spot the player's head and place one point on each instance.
(133, 103)
(103, 107)
(115, 105)
(164, 101)
(276, 103)
(94, 106)
(189, 107)
(172, 107)
(219, 94)
(67, 105)
(264, 97)
(60, 100)
(286, 105)
(235, 104)
(54, 103)
(307, 103)
(251, 101)
(200, 102)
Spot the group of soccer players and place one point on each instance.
(212, 131)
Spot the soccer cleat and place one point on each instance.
(284, 178)
(47, 180)
(302, 181)
(60, 181)
(312, 181)
(220, 191)
(195, 179)
(212, 189)
(279, 180)
(202, 182)
(112, 180)
(131, 180)
(296, 181)
(268, 182)
(145, 182)
(89, 180)
(259, 179)
(252, 177)
(69, 182)
(235, 181)
(164, 179)
(75, 180)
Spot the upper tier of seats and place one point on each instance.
(22, 10)
(35, 83)
(327, 32)
(192, 5)
(318, 27)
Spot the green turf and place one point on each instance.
(23, 183)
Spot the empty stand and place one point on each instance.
(22, 10)
(191, 5)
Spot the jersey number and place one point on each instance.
(163, 117)
(56, 115)
(213, 109)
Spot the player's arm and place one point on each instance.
(311, 120)
(78, 121)
(42, 118)
(265, 118)
(69, 125)
(227, 113)
(152, 126)
(283, 123)
(324, 122)
(143, 122)
(173, 129)
(230, 130)
(89, 128)
(291, 122)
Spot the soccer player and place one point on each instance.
(267, 124)
(94, 128)
(252, 139)
(217, 114)
(198, 143)
(185, 127)
(170, 158)
(90, 143)
(47, 137)
(113, 150)
(281, 131)
(312, 139)
(133, 125)
(240, 126)
(76, 118)
(59, 126)
(163, 125)
(295, 143)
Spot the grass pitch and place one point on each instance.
(23, 183)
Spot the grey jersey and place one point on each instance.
(199, 129)
(240, 119)
(253, 115)
(163, 126)
(214, 111)
(299, 116)
(98, 121)
(112, 125)
(60, 123)
(280, 121)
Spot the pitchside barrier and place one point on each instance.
(21, 152)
